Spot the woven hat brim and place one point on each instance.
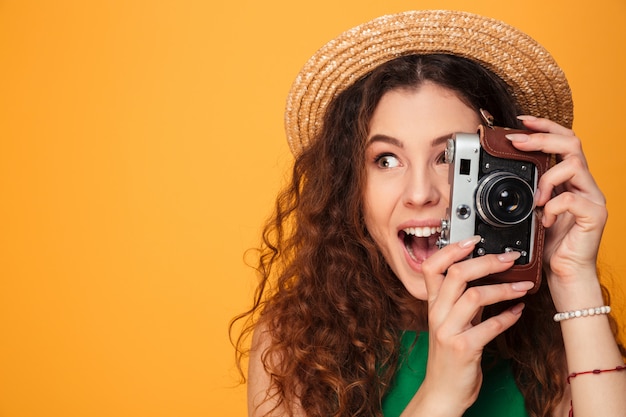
(537, 82)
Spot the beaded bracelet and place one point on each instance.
(585, 312)
(596, 371)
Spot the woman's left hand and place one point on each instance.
(574, 215)
(574, 208)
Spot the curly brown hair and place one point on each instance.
(331, 304)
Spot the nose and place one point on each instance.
(424, 188)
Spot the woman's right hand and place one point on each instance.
(457, 334)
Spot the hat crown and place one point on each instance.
(538, 83)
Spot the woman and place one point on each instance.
(358, 312)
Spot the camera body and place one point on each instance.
(492, 186)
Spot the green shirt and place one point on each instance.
(499, 395)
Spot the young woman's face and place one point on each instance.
(407, 190)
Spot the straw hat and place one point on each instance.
(538, 83)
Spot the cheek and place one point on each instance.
(445, 190)
(376, 225)
(369, 212)
(370, 208)
(379, 200)
(442, 174)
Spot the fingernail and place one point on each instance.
(470, 241)
(517, 309)
(526, 117)
(517, 137)
(509, 256)
(522, 286)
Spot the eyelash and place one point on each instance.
(440, 158)
(379, 157)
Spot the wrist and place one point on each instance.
(434, 402)
(585, 292)
(572, 273)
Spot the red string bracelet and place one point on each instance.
(595, 371)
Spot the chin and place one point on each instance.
(415, 285)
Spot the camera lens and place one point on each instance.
(504, 199)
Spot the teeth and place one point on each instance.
(422, 231)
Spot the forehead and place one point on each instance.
(430, 109)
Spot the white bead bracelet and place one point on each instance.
(586, 312)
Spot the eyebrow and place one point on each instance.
(396, 142)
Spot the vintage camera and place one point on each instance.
(492, 185)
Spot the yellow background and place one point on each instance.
(141, 146)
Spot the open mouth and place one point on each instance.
(420, 242)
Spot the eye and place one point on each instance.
(387, 160)
(441, 158)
